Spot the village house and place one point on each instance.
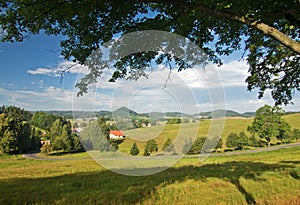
(116, 134)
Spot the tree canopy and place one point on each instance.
(268, 124)
(267, 31)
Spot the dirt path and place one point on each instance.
(33, 154)
(257, 150)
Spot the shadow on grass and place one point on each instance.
(106, 187)
(290, 162)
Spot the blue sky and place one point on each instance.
(30, 78)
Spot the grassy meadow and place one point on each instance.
(260, 178)
(186, 130)
(271, 177)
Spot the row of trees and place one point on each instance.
(268, 124)
(241, 141)
(189, 146)
(152, 146)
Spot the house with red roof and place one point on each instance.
(116, 134)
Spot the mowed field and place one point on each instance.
(190, 130)
(261, 178)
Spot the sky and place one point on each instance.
(30, 78)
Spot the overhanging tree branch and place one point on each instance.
(275, 33)
(266, 29)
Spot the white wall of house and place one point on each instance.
(112, 136)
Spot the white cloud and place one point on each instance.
(188, 91)
(41, 71)
(228, 75)
(67, 66)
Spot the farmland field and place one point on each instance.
(195, 129)
(271, 177)
(262, 178)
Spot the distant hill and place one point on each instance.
(248, 114)
(125, 112)
(227, 113)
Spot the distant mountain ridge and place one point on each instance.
(227, 113)
(124, 112)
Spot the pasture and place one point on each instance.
(261, 178)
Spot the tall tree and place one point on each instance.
(267, 123)
(268, 31)
(57, 128)
(93, 138)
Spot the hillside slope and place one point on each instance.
(187, 130)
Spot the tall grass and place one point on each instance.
(262, 178)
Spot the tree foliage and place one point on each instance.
(267, 31)
(268, 124)
(43, 120)
(196, 148)
(15, 135)
(93, 138)
(168, 146)
(237, 141)
(134, 150)
(150, 147)
(61, 137)
(11, 111)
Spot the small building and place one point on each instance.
(116, 134)
(45, 142)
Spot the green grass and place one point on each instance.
(186, 130)
(293, 120)
(262, 178)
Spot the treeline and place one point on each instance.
(152, 146)
(21, 131)
(62, 138)
(16, 133)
